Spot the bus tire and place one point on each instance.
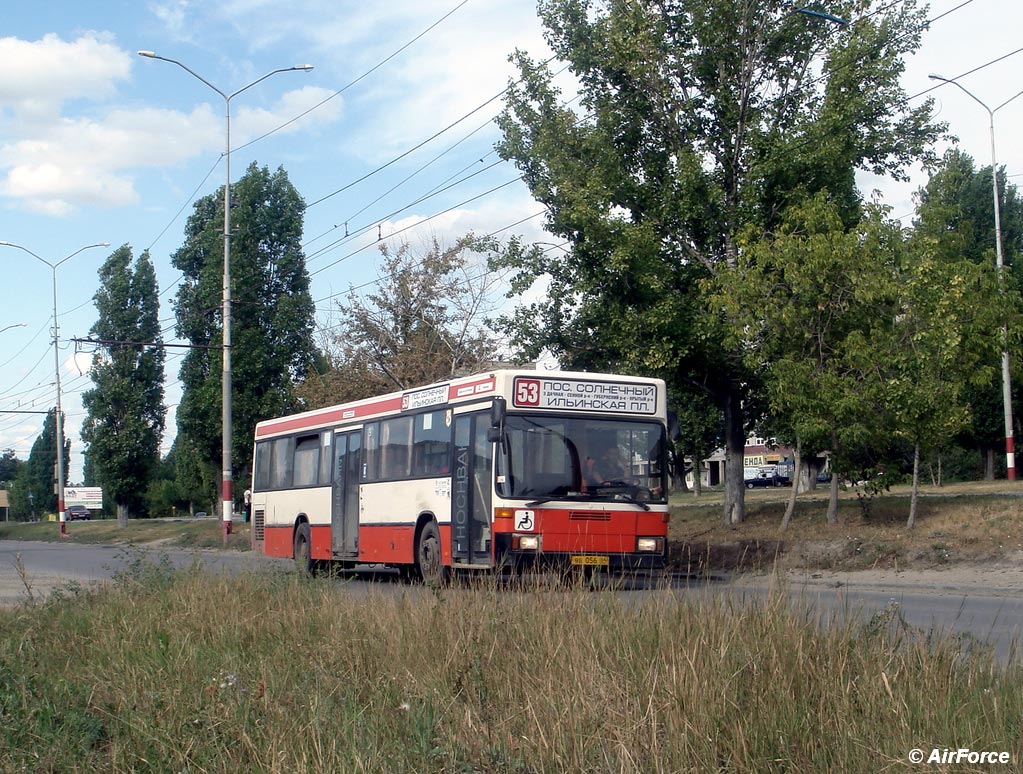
(428, 556)
(304, 561)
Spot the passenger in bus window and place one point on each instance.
(611, 465)
(591, 473)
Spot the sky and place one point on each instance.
(98, 144)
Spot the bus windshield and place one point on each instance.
(581, 459)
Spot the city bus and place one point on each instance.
(506, 469)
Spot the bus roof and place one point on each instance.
(524, 389)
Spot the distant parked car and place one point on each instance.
(201, 515)
(78, 513)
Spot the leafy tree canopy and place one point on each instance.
(698, 121)
(272, 313)
(125, 407)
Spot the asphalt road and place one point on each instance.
(989, 616)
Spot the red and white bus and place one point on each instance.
(503, 469)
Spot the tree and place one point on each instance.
(9, 465)
(701, 120)
(957, 200)
(798, 301)
(125, 411)
(38, 476)
(696, 433)
(426, 323)
(272, 314)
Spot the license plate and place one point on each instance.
(591, 561)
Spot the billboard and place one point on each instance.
(89, 496)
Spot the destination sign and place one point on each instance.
(584, 395)
(433, 396)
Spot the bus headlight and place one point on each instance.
(526, 542)
(650, 545)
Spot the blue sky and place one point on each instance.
(98, 144)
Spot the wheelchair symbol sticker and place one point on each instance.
(525, 521)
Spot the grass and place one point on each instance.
(970, 522)
(974, 522)
(201, 533)
(179, 671)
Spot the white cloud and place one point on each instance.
(252, 122)
(83, 162)
(39, 76)
(173, 16)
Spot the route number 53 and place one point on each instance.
(527, 392)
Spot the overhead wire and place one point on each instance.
(376, 281)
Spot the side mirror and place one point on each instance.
(498, 409)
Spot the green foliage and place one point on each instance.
(956, 209)
(9, 466)
(874, 334)
(700, 123)
(37, 476)
(125, 411)
(272, 315)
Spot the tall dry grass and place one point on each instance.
(171, 671)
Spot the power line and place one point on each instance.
(352, 83)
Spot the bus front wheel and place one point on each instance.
(428, 555)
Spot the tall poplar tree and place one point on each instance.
(126, 414)
(38, 476)
(272, 315)
(697, 120)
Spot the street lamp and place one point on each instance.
(1010, 452)
(56, 370)
(227, 484)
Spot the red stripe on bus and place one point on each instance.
(330, 417)
(468, 389)
(338, 414)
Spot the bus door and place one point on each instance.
(344, 510)
(471, 492)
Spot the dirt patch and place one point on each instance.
(699, 558)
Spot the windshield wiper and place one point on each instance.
(550, 498)
(619, 497)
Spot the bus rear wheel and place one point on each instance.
(428, 556)
(303, 551)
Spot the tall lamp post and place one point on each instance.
(56, 371)
(226, 481)
(1010, 451)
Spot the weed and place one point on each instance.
(175, 670)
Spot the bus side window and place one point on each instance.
(307, 460)
(431, 444)
(325, 457)
(261, 467)
(395, 446)
(371, 452)
(281, 463)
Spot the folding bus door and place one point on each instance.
(344, 515)
(471, 491)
